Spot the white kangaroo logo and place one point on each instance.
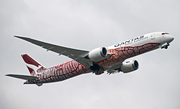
(34, 68)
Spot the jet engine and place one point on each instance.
(97, 54)
(129, 66)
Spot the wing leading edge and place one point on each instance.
(75, 54)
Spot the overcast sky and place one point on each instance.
(86, 25)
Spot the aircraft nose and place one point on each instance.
(171, 38)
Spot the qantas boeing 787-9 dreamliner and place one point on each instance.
(110, 59)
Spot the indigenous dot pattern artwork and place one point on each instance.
(73, 68)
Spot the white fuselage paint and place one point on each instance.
(121, 52)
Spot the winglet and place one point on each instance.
(19, 37)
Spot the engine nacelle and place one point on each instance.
(129, 66)
(97, 54)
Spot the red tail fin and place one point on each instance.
(32, 64)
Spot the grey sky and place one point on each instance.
(86, 25)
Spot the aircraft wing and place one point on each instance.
(75, 54)
(113, 69)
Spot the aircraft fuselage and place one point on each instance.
(120, 52)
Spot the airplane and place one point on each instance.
(110, 59)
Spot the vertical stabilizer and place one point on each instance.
(32, 65)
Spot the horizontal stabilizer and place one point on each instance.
(25, 77)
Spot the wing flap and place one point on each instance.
(25, 77)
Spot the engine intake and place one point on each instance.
(129, 66)
(97, 54)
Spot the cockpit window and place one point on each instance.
(164, 33)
